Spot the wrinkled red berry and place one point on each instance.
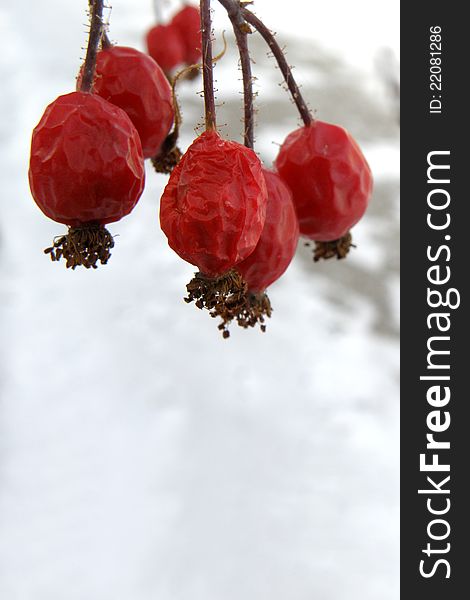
(133, 81)
(166, 47)
(188, 22)
(278, 242)
(214, 206)
(86, 161)
(329, 177)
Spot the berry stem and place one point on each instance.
(241, 30)
(207, 66)
(105, 41)
(278, 53)
(96, 32)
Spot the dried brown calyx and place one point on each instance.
(257, 308)
(83, 246)
(169, 156)
(228, 297)
(336, 248)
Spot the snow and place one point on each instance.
(142, 456)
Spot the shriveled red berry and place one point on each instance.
(86, 161)
(133, 81)
(329, 177)
(278, 242)
(188, 22)
(214, 206)
(86, 169)
(166, 47)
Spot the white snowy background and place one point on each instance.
(141, 455)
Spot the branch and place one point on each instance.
(241, 30)
(281, 61)
(208, 77)
(96, 32)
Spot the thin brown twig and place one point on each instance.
(207, 73)
(286, 71)
(241, 30)
(96, 32)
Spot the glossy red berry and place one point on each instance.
(86, 163)
(188, 22)
(329, 177)
(278, 242)
(133, 81)
(214, 206)
(166, 47)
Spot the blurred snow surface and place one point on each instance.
(142, 456)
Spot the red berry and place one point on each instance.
(278, 241)
(188, 22)
(329, 177)
(86, 161)
(214, 206)
(133, 81)
(166, 47)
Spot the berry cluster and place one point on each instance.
(87, 151)
(177, 43)
(222, 211)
